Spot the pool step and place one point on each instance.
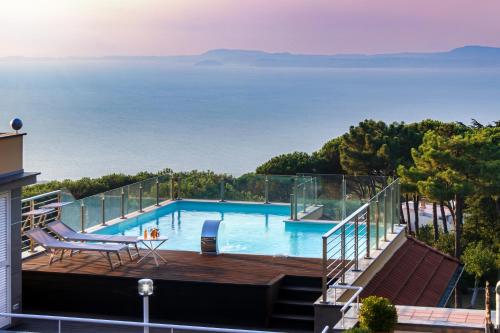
(294, 308)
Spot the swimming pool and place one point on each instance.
(246, 228)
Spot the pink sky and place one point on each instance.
(169, 27)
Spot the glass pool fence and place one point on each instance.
(332, 197)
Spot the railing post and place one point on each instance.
(392, 208)
(103, 210)
(398, 202)
(141, 189)
(342, 253)
(292, 208)
(222, 191)
(295, 198)
(385, 216)
(157, 191)
(172, 187)
(315, 191)
(344, 193)
(32, 225)
(377, 224)
(82, 217)
(266, 190)
(179, 185)
(304, 197)
(356, 245)
(368, 232)
(325, 273)
(122, 203)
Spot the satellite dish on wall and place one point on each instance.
(16, 124)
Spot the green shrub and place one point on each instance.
(378, 314)
(357, 330)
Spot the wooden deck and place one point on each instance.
(185, 266)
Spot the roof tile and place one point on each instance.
(416, 274)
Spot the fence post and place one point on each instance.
(315, 191)
(342, 253)
(398, 202)
(392, 208)
(141, 189)
(266, 190)
(103, 210)
(82, 217)
(222, 191)
(325, 273)
(344, 190)
(385, 216)
(295, 212)
(304, 197)
(122, 204)
(292, 202)
(157, 191)
(171, 187)
(356, 244)
(377, 224)
(368, 232)
(179, 185)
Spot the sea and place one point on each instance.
(91, 117)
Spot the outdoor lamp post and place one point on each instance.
(145, 290)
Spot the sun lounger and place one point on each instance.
(56, 247)
(67, 233)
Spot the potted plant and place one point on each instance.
(378, 314)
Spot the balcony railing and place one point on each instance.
(358, 234)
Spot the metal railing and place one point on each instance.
(352, 238)
(341, 246)
(170, 327)
(347, 305)
(36, 202)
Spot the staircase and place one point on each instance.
(293, 310)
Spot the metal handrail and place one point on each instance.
(60, 319)
(28, 222)
(345, 221)
(349, 302)
(339, 240)
(38, 196)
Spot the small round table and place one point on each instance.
(152, 244)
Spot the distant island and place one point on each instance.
(467, 56)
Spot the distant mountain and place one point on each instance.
(467, 56)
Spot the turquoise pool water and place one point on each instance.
(246, 228)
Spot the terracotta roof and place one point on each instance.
(416, 274)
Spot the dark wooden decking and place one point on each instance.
(185, 266)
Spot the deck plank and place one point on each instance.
(186, 266)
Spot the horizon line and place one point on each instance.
(74, 57)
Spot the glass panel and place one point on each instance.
(113, 204)
(249, 187)
(149, 192)
(70, 214)
(280, 188)
(92, 209)
(133, 194)
(166, 187)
